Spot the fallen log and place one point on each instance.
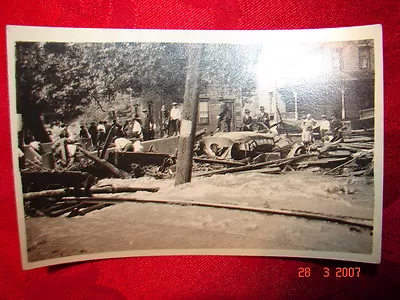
(267, 170)
(274, 163)
(60, 212)
(338, 153)
(92, 190)
(218, 161)
(323, 162)
(307, 215)
(121, 189)
(45, 194)
(107, 141)
(358, 139)
(115, 171)
(84, 211)
(350, 148)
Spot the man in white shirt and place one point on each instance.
(125, 145)
(324, 125)
(308, 125)
(101, 134)
(137, 128)
(175, 118)
(64, 151)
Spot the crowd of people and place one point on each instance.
(129, 135)
(126, 137)
(326, 130)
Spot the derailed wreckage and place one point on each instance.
(72, 188)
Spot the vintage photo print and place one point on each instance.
(168, 142)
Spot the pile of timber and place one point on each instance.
(351, 156)
(75, 201)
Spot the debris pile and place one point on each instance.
(71, 187)
(71, 197)
(351, 156)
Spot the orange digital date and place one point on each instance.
(339, 272)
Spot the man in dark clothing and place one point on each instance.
(116, 129)
(247, 121)
(224, 118)
(93, 133)
(107, 126)
(164, 121)
(263, 120)
(83, 133)
(336, 129)
(64, 131)
(148, 127)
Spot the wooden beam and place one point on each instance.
(218, 161)
(274, 163)
(115, 171)
(93, 190)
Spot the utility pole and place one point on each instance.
(342, 91)
(189, 117)
(296, 114)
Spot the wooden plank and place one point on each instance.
(274, 163)
(92, 190)
(218, 161)
(115, 171)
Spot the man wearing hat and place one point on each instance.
(308, 125)
(148, 126)
(174, 119)
(137, 128)
(263, 120)
(224, 117)
(247, 121)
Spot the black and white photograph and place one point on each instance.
(167, 142)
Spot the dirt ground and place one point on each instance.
(145, 226)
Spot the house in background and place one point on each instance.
(333, 79)
(210, 103)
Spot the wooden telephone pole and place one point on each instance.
(189, 117)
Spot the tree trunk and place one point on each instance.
(189, 117)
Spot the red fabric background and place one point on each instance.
(204, 276)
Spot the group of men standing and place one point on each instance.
(329, 130)
(133, 128)
(262, 122)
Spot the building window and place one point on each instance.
(204, 113)
(364, 57)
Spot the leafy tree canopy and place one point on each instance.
(61, 79)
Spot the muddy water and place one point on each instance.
(138, 226)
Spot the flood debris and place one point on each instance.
(54, 203)
(56, 186)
